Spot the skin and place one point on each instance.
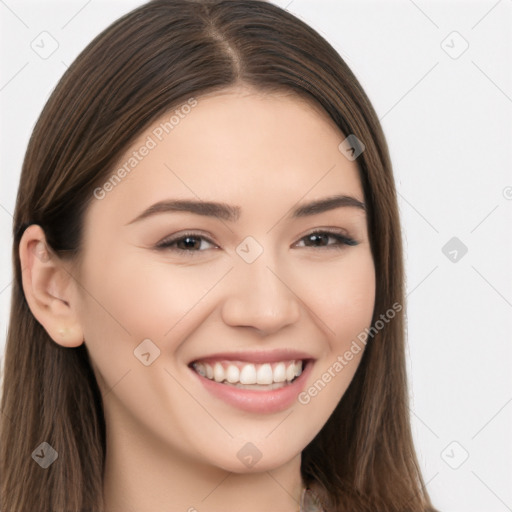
(171, 445)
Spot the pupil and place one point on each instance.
(187, 242)
(317, 238)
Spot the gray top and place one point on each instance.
(310, 502)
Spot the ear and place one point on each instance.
(49, 288)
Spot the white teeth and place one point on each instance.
(259, 387)
(218, 373)
(247, 374)
(264, 374)
(280, 372)
(200, 368)
(232, 374)
(290, 372)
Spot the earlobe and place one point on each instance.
(49, 289)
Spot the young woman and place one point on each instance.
(208, 307)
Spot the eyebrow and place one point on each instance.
(232, 213)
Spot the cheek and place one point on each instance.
(147, 296)
(123, 306)
(344, 300)
(155, 300)
(164, 302)
(341, 293)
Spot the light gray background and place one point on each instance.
(448, 121)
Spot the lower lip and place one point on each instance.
(262, 402)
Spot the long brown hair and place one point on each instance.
(144, 64)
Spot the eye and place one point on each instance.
(187, 243)
(192, 242)
(321, 238)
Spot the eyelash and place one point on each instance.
(342, 240)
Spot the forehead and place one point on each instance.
(238, 146)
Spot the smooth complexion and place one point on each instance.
(171, 444)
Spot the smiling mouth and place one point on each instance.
(244, 375)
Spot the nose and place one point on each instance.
(259, 297)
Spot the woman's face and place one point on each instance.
(251, 290)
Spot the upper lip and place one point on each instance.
(259, 357)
